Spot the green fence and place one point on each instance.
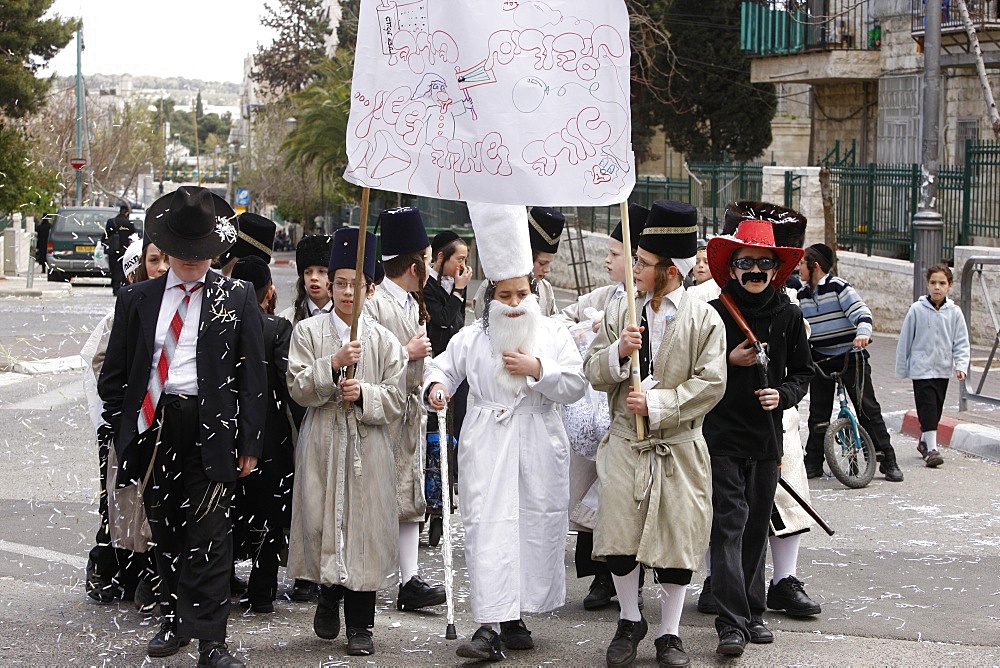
(721, 183)
(647, 190)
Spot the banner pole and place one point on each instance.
(359, 275)
(640, 424)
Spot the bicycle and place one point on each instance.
(849, 450)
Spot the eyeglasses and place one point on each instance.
(342, 286)
(747, 263)
(639, 265)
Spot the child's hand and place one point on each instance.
(743, 355)
(348, 355)
(629, 341)
(960, 375)
(636, 403)
(432, 396)
(769, 399)
(418, 347)
(351, 389)
(522, 364)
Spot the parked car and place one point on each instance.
(76, 233)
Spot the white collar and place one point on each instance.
(173, 280)
(673, 297)
(398, 293)
(314, 307)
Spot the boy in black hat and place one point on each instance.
(312, 290)
(184, 403)
(398, 305)
(255, 236)
(344, 516)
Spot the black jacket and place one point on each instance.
(738, 426)
(232, 387)
(116, 234)
(447, 312)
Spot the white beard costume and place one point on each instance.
(508, 333)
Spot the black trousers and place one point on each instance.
(929, 396)
(584, 556)
(359, 606)
(742, 499)
(189, 517)
(822, 392)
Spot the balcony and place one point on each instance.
(955, 50)
(831, 40)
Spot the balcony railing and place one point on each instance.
(779, 27)
(985, 14)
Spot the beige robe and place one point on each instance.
(409, 431)
(656, 495)
(344, 520)
(794, 519)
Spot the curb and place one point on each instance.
(967, 437)
(50, 365)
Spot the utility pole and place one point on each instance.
(928, 226)
(79, 115)
(197, 152)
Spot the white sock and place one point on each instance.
(708, 563)
(671, 605)
(627, 588)
(409, 544)
(784, 556)
(930, 438)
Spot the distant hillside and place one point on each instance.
(215, 93)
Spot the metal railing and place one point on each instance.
(647, 190)
(974, 265)
(984, 14)
(717, 184)
(781, 27)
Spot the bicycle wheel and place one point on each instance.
(852, 463)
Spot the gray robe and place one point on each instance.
(656, 494)
(344, 520)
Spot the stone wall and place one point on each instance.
(808, 200)
(846, 111)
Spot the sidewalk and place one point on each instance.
(17, 286)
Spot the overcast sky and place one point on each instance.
(196, 39)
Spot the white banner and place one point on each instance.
(494, 101)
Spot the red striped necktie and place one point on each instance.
(158, 380)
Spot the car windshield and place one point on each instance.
(90, 223)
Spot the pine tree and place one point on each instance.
(288, 64)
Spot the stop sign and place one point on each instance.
(77, 163)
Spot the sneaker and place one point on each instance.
(731, 643)
(418, 594)
(922, 448)
(484, 645)
(359, 642)
(261, 607)
(622, 650)
(759, 633)
(326, 622)
(670, 651)
(789, 595)
(515, 635)
(602, 589)
(933, 459)
(812, 473)
(706, 600)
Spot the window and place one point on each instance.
(899, 120)
(965, 128)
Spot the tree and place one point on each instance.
(714, 111)
(287, 65)
(27, 42)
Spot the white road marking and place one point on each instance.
(73, 560)
(69, 393)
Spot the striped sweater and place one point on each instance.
(836, 316)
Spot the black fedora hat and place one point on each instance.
(191, 223)
(255, 236)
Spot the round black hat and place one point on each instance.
(191, 223)
(254, 237)
(402, 232)
(671, 230)
(637, 215)
(252, 269)
(344, 251)
(544, 227)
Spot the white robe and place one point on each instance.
(513, 472)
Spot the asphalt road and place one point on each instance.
(912, 576)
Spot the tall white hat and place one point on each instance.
(501, 239)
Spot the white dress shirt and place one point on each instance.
(182, 376)
(404, 298)
(316, 310)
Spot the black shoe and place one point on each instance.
(759, 633)
(731, 643)
(237, 587)
(303, 591)
(670, 651)
(435, 531)
(145, 598)
(484, 645)
(359, 642)
(933, 459)
(418, 594)
(789, 595)
(165, 643)
(216, 654)
(814, 472)
(261, 607)
(326, 622)
(98, 589)
(621, 651)
(515, 635)
(706, 600)
(602, 589)
(891, 470)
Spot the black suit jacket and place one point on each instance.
(232, 385)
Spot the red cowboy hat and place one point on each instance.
(750, 234)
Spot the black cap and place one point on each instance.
(824, 253)
(544, 227)
(344, 251)
(402, 232)
(312, 251)
(254, 270)
(442, 239)
(255, 236)
(637, 215)
(671, 230)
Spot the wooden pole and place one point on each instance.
(640, 425)
(359, 275)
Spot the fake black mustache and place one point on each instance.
(754, 276)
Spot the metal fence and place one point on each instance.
(717, 184)
(647, 190)
(777, 27)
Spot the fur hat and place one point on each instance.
(789, 224)
(750, 234)
(637, 215)
(544, 227)
(502, 240)
(252, 269)
(671, 231)
(344, 251)
(312, 251)
(191, 223)
(255, 237)
(402, 232)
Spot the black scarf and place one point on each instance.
(763, 305)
